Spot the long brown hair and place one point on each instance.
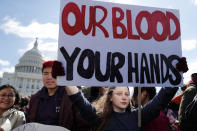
(104, 108)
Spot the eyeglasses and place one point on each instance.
(3, 96)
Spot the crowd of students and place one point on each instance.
(103, 109)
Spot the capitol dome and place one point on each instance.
(31, 61)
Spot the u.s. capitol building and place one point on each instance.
(27, 77)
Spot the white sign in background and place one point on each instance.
(107, 43)
(39, 127)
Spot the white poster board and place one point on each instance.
(108, 44)
(39, 127)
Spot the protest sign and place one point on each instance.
(108, 44)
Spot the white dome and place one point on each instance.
(31, 61)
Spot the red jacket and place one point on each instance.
(160, 123)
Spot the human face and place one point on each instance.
(48, 81)
(144, 97)
(120, 99)
(7, 99)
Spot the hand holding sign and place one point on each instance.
(57, 69)
(181, 66)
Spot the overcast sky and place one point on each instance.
(21, 21)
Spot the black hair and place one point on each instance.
(151, 91)
(183, 87)
(94, 91)
(23, 102)
(17, 97)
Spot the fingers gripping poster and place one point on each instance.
(108, 44)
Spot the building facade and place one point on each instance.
(27, 77)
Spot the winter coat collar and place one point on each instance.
(8, 112)
(43, 94)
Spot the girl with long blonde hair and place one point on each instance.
(112, 111)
